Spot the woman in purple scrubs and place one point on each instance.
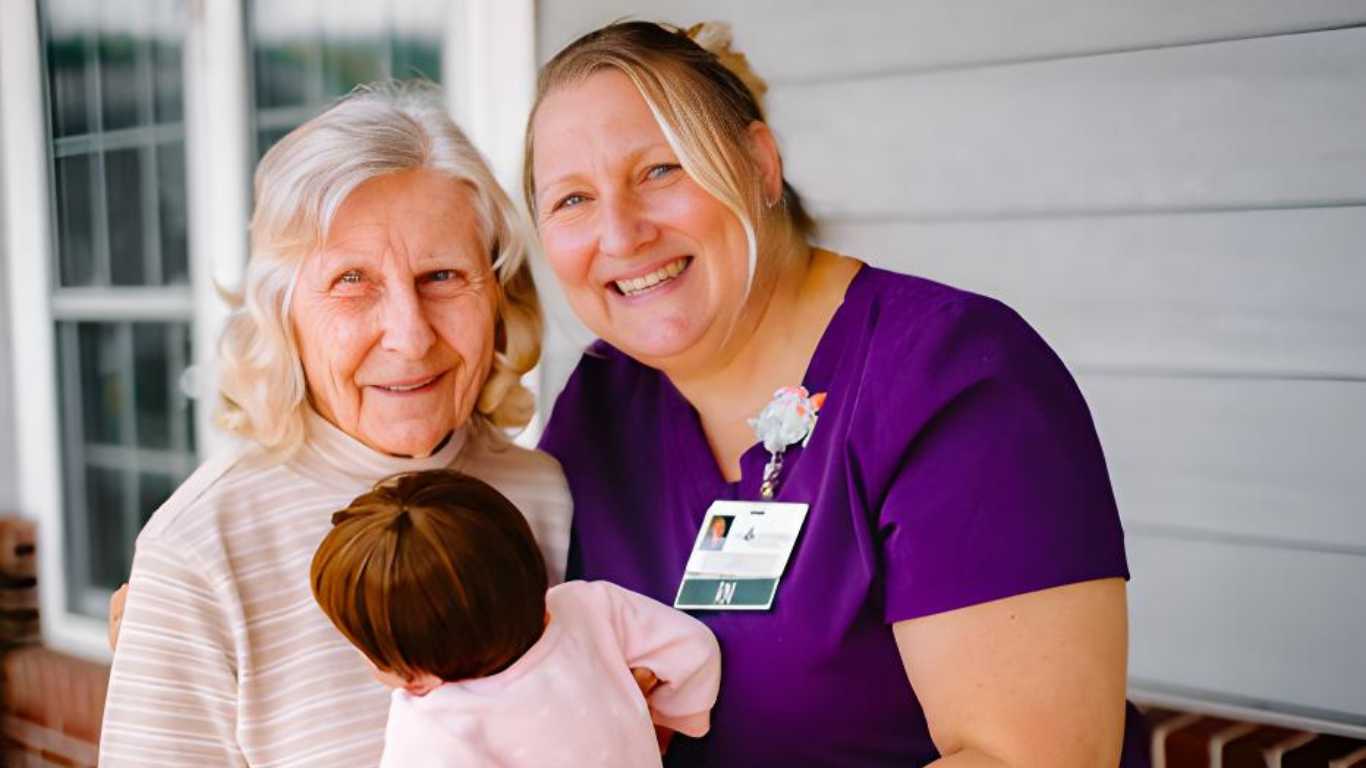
(956, 596)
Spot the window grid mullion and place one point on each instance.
(179, 410)
(121, 138)
(151, 216)
(171, 303)
(147, 161)
(285, 117)
(117, 457)
(128, 431)
(78, 500)
(99, 211)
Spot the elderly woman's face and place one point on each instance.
(648, 259)
(395, 314)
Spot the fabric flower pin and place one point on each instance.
(788, 419)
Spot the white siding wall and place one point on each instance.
(1174, 194)
(9, 494)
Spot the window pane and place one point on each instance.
(153, 491)
(416, 59)
(128, 437)
(417, 27)
(355, 41)
(121, 221)
(123, 195)
(165, 32)
(120, 85)
(75, 230)
(266, 138)
(287, 54)
(307, 55)
(282, 74)
(151, 376)
(168, 73)
(110, 541)
(175, 265)
(67, 57)
(103, 383)
(347, 63)
(183, 412)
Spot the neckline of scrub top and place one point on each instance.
(686, 425)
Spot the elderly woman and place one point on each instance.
(956, 596)
(387, 316)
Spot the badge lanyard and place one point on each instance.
(743, 547)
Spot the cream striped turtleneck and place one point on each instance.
(223, 657)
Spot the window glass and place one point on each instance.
(121, 264)
(128, 439)
(74, 179)
(120, 277)
(123, 194)
(305, 55)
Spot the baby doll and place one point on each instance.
(435, 578)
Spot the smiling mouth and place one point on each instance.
(646, 283)
(404, 389)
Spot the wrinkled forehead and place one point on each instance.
(421, 207)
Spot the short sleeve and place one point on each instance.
(990, 478)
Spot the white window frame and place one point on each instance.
(489, 67)
(490, 86)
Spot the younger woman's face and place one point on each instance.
(649, 260)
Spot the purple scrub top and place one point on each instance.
(955, 462)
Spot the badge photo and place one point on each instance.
(739, 556)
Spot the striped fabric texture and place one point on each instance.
(223, 657)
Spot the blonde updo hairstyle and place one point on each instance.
(704, 96)
(300, 183)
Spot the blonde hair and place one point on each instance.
(704, 96)
(300, 183)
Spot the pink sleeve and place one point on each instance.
(679, 649)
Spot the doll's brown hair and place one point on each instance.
(433, 572)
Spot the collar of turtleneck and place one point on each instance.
(332, 452)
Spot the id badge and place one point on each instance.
(740, 555)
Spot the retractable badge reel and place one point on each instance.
(743, 547)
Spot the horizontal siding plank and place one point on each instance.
(9, 490)
(1260, 624)
(1272, 460)
(1260, 292)
(1273, 122)
(805, 39)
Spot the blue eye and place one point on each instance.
(663, 169)
(569, 200)
(441, 278)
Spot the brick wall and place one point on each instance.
(51, 704)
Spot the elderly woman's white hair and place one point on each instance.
(379, 129)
